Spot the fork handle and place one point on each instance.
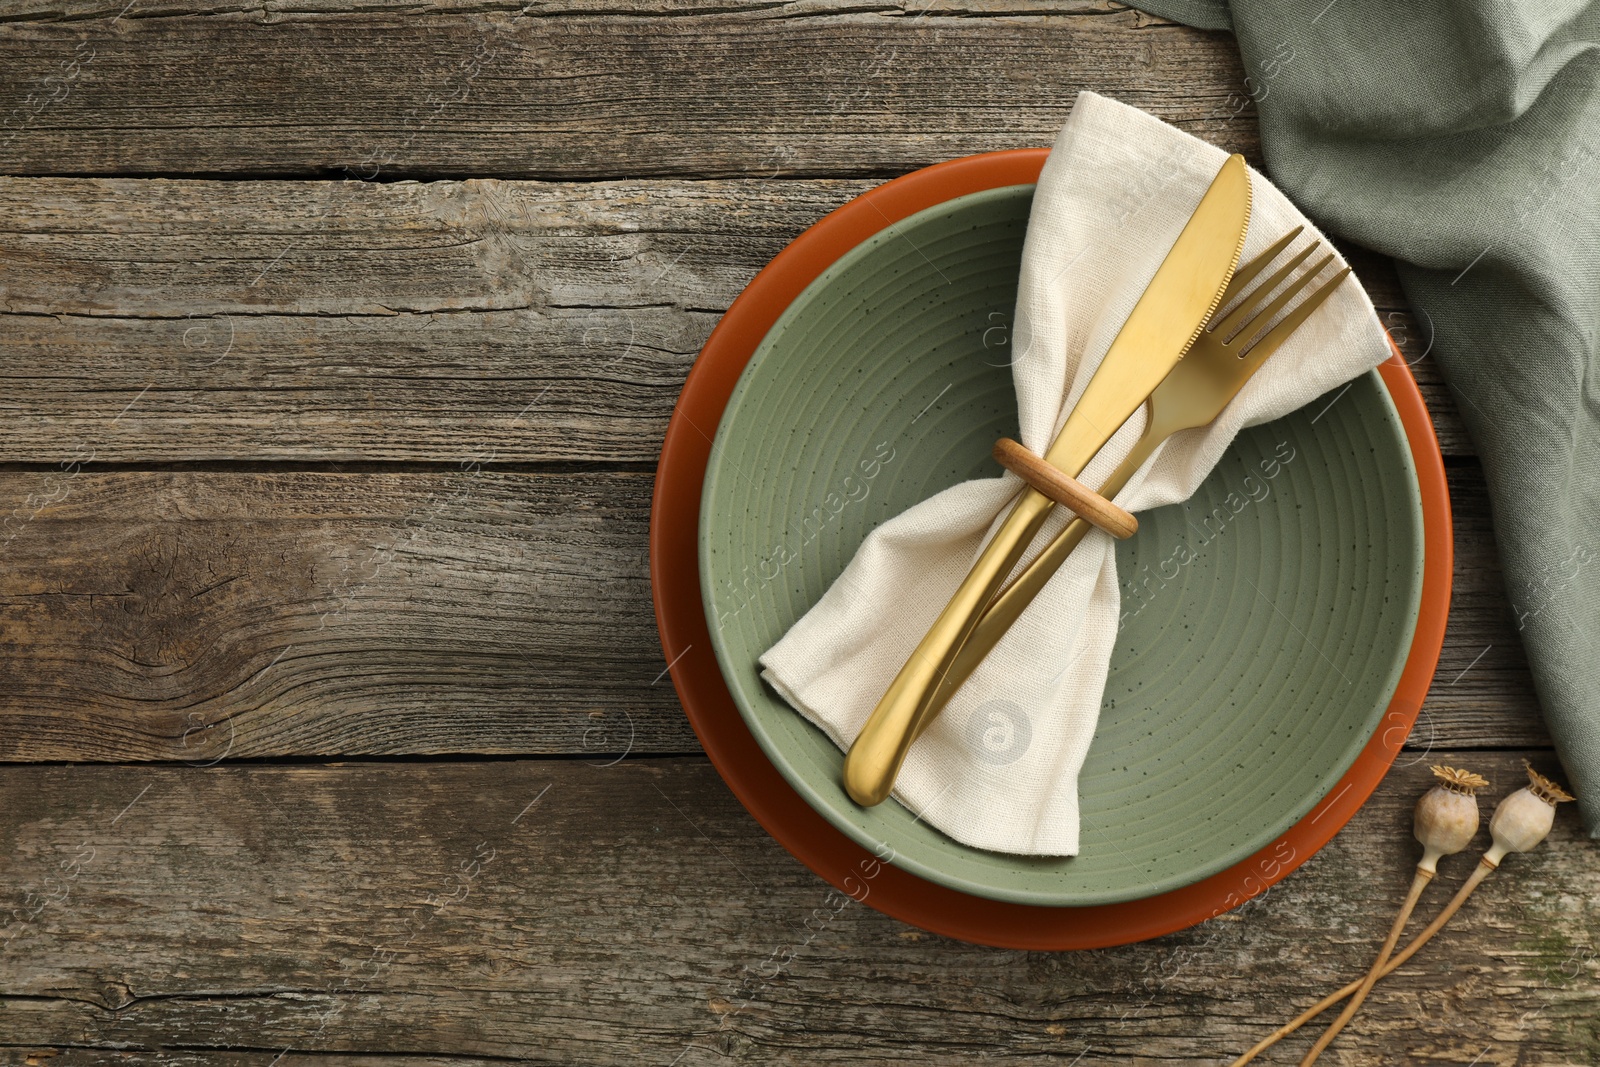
(1007, 607)
(880, 748)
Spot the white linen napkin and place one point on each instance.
(999, 768)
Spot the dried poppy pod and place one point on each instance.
(1524, 818)
(1446, 816)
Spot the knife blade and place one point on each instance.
(1164, 322)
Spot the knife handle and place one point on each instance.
(880, 748)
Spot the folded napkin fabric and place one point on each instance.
(999, 768)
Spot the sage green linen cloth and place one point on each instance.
(1463, 139)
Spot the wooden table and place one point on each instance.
(340, 337)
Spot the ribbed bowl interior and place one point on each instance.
(1266, 621)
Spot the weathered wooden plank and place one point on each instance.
(635, 914)
(202, 615)
(153, 321)
(61, 10)
(834, 88)
(1482, 693)
(197, 615)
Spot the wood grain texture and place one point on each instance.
(159, 321)
(205, 615)
(712, 91)
(201, 615)
(325, 469)
(635, 914)
(279, 10)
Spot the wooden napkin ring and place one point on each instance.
(1065, 490)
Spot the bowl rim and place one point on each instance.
(873, 876)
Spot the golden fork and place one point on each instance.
(1224, 356)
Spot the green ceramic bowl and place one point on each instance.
(1266, 621)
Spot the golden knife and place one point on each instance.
(1164, 322)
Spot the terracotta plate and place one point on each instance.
(1202, 880)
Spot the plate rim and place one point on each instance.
(807, 834)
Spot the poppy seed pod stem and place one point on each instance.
(1479, 873)
(1507, 819)
(1445, 819)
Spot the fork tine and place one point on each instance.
(1247, 271)
(1258, 322)
(1268, 342)
(1230, 323)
